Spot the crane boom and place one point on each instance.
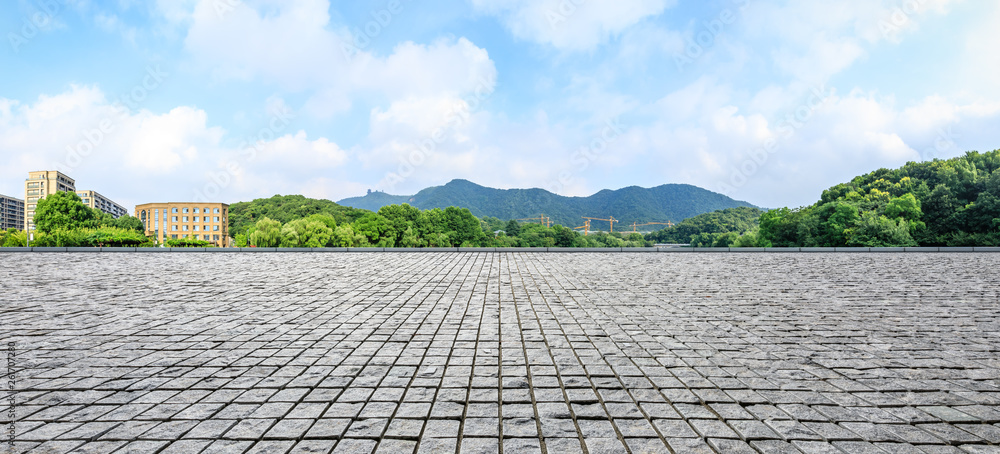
(611, 220)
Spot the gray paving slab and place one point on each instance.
(510, 350)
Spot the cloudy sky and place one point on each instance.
(769, 101)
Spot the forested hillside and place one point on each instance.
(939, 203)
(672, 202)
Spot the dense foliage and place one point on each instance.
(188, 242)
(286, 209)
(62, 220)
(953, 202)
(407, 226)
(718, 228)
(633, 204)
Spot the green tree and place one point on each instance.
(463, 227)
(839, 217)
(879, 231)
(62, 211)
(316, 234)
(513, 228)
(373, 226)
(399, 219)
(128, 223)
(266, 233)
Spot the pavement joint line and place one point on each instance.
(594, 388)
(867, 351)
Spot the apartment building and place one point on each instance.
(40, 184)
(11, 213)
(200, 221)
(99, 202)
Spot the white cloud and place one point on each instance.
(294, 45)
(139, 157)
(811, 41)
(574, 25)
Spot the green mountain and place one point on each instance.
(671, 202)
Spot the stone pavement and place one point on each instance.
(503, 352)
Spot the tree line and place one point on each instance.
(63, 220)
(406, 226)
(954, 202)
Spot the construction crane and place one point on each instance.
(541, 220)
(636, 225)
(585, 227)
(611, 220)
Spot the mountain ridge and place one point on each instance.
(668, 202)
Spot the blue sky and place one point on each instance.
(228, 100)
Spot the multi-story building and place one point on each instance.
(40, 184)
(200, 221)
(11, 213)
(99, 202)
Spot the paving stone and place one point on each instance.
(470, 352)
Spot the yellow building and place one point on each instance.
(40, 184)
(11, 213)
(201, 221)
(99, 202)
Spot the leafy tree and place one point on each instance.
(62, 211)
(463, 227)
(373, 226)
(15, 238)
(513, 228)
(879, 231)
(128, 223)
(266, 233)
(399, 219)
(291, 234)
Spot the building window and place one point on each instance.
(216, 211)
(174, 219)
(173, 210)
(173, 227)
(216, 219)
(185, 210)
(184, 228)
(206, 237)
(215, 228)
(185, 218)
(173, 236)
(196, 228)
